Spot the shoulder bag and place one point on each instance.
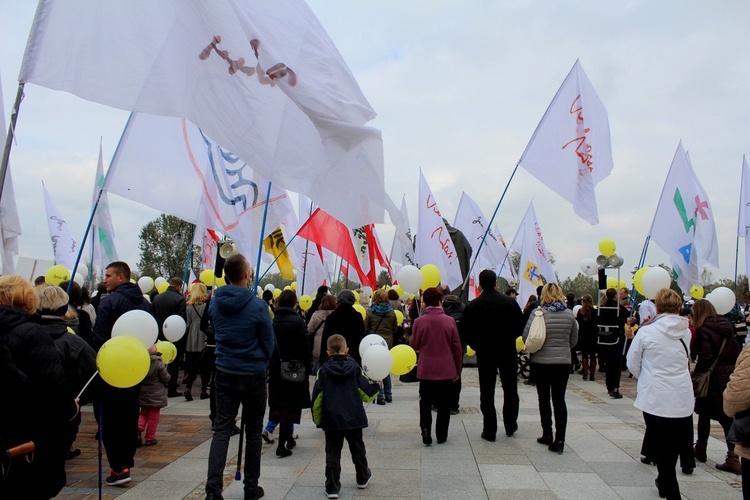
(292, 370)
(537, 333)
(701, 380)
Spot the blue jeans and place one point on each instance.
(231, 390)
(387, 388)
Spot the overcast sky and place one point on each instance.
(459, 88)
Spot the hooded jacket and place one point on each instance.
(346, 321)
(243, 331)
(339, 391)
(126, 297)
(659, 360)
(153, 391)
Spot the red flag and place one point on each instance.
(332, 234)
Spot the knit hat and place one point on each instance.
(345, 297)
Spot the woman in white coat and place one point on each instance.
(660, 359)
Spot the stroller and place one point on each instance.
(524, 363)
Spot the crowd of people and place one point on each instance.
(260, 352)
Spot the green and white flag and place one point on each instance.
(102, 231)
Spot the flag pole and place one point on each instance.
(96, 204)
(486, 231)
(307, 245)
(10, 137)
(262, 233)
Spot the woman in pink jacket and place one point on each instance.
(435, 338)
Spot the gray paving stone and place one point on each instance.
(433, 466)
(624, 474)
(546, 461)
(439, 487)
(515, 477)
(168, 490)
(576, 485)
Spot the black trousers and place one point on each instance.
(551, 382)
(197, 362)
(173, 368)
(612, 355)
(435, 393)
(455, 395)
(668, 436)
(704, 429)
(334, 444)
(488, 368)
(119, 420)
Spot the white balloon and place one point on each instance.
(654, 280)
(259, 291)
(83, 270)
(270, 287)
(158, 281)
(410, 279)
(138, 324)
(576, 309)
(146, 284)
(173, 328)
(377, 362)
(722, 298)
(369, 341)
(78, 279)
(589, 266)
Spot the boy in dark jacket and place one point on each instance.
(337, 398)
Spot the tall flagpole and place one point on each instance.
(11, 136)
(486, 231)
(262, 233)
(307, 245)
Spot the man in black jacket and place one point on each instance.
(166, 304)
(119, 407)
(493, 322)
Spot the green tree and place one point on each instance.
(164, 245)
(384, 278)
(581, 285)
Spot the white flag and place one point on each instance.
(433, 243)
(10, 225)
(402, 249)
(471, 221)
(102, 231)
(64, 246)
(743, 222)
(530, 233)
(529, 272)
(684, 224)
(186, 174)
(506, 267)
(261, 78)
(571, 150)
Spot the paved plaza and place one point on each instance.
(601, 458)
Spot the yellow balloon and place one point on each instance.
(133, 281)
(404, 359)
(221, 281)
(638, 279)
(399, 290)
(288, 287)
(123, 361)
(696, 292)
(57, 274)
(430, 276)
(519, 344)
(611, 282)
(207, 277)
(162, 287)
(356, 296)
(305, 302)
(623, 284)
(168, 351)
(294, 285)
(470, 351)
(361, 310)
(399, 317)
(607, 247)
(276, 293)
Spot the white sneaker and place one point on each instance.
(332, 495)
(364, 485)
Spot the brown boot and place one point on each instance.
(700, 453)
(731, 464)
(585, 368)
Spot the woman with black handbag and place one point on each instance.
(717, 352)
(287, 398)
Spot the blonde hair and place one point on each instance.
(17, 292)
(668, 301)
(51, 297)
(197, 294)
(551, 293)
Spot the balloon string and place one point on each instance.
(87, 384)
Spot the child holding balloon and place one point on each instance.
(153, 398)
